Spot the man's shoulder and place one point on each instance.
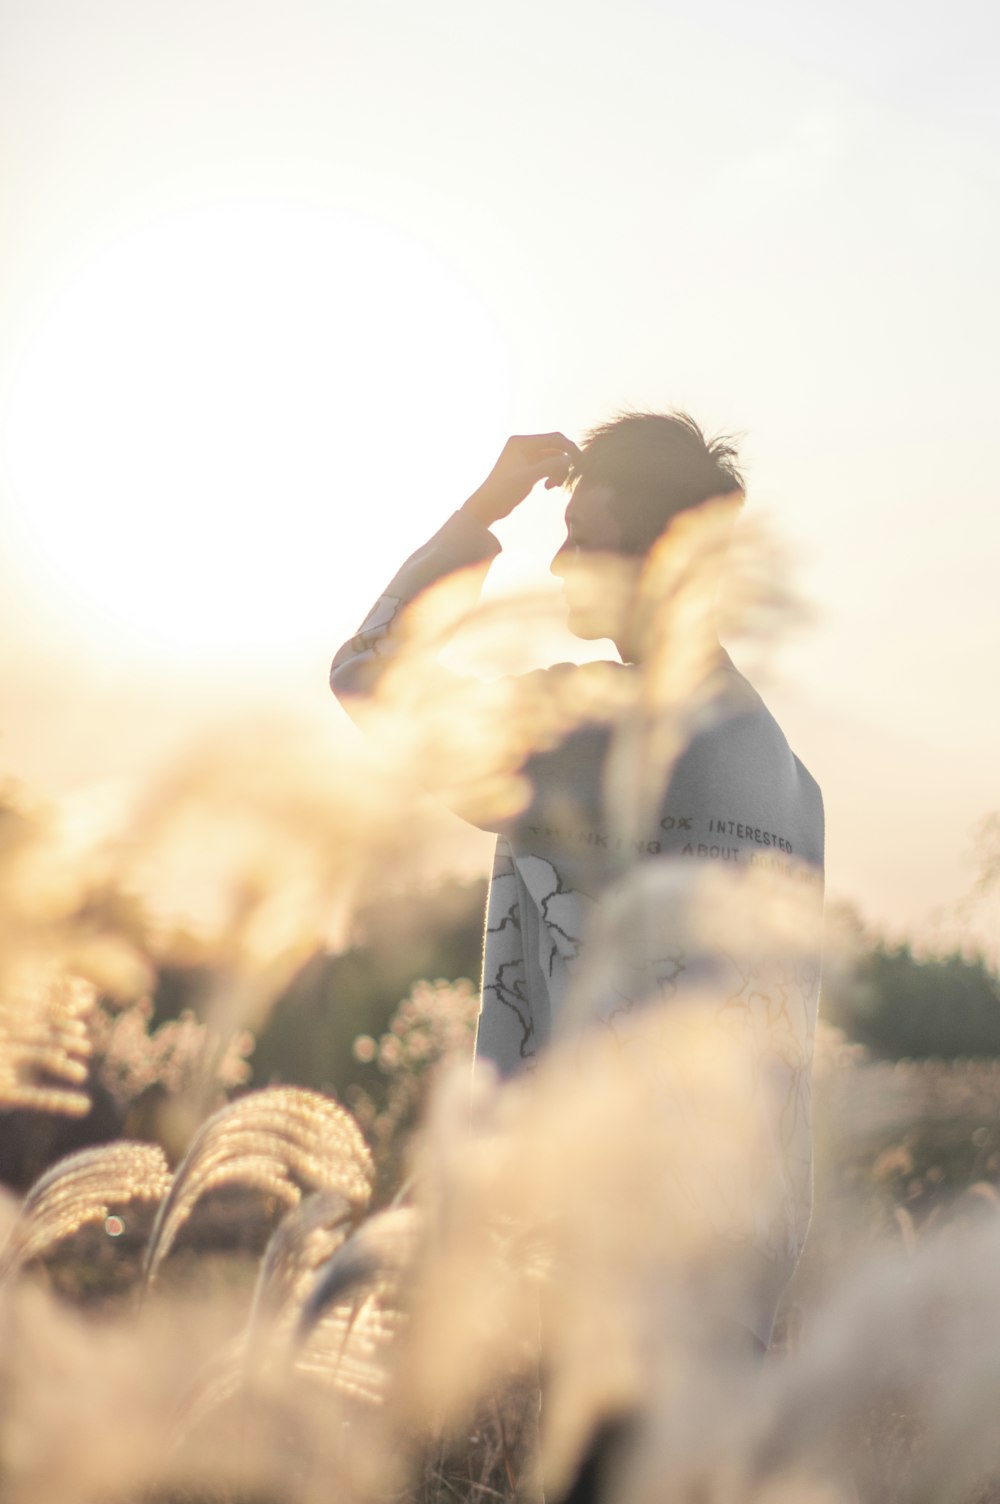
(742, 755)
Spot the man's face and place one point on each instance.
(591, 561)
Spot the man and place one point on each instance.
(614, 800)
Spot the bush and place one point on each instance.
(901, 1005)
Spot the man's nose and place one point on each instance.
(558, 565)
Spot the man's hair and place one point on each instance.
(657, 464)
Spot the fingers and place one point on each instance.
(544, 456)
(552, 470)
(526, 459)
(545, 443)
(558, 471)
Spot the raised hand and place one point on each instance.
(524, 460)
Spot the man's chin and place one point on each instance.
(588, 626)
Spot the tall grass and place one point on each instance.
(221, 1315)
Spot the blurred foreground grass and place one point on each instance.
(907, 1166)
(161, 1334)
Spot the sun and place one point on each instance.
(234, 414)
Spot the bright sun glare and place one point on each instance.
(221, 422)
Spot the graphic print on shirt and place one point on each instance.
(506, 1025)
(563, 911)
(375, 627)
(533, 927)
(656, 980)
(774, 1015)
(770, 1011)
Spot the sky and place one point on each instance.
(277, 280)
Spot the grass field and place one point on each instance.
(256, 1296)
(155, 1344)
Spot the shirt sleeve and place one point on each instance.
(461, 544)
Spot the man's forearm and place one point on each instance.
(463, 542)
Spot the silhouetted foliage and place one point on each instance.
(309, 1037)
(307, 1040)
(902, 1005)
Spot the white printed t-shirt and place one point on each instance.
(736, 799)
